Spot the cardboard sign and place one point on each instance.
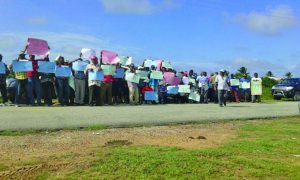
(63, 71)
(46, 67)
(79, 65)
(148, 63)
(132, 77)
(150, 96)
(194, 96)
(177, 81)
(193, 81)
(108, 69)
(167, 64)
(22, 66)
(169, 78)
(172, 89)
(143, 74)
(234, 82)
(96, 75)
(2, 68)
(37, 47)
(156, 75)
(245, 85)
(71, 82)
(256, 87)
(87, 53)
(120, 73)
(109, 57)
(184, 89)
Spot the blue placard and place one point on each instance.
(120, 73)
(96, 75)
(79, 65)
(2, 68)
(63, 71)
(172, 89)
(46, 67)
(151, 96)
(22, 66)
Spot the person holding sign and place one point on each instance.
(222, 87)
(21, 82)
(203, 84)
(245, 87)
(47, 84)
(234, 88)
(63, 85)
(94, 84)
(80, 79)
(256, 88)
(133, 86)
(4, 71)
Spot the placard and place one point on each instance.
(172, 89)
(46, 67)
(169, 78)
(96, 75)
(120, 73)
(109, 57)
(256, 87)
(63, 71)
(2, 68)
(234, 82)
(156, 75)
(143, 74)
(132, 77)
(167, 64)
(108, 69)
(245, 85)
(37, 47)
(148, 63)
(79, 65)
(87, 53)
(184, 89)
(194, 96)
(150, 96)
(22, 66)
(193, 81)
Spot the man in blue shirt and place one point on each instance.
(245, 90)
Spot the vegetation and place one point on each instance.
(288, 75)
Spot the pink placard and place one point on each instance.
(169, 78)
(37, 47)
(177, 81)
(109, 57)
(159, 64)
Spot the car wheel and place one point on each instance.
(297, 96)
(277, 98)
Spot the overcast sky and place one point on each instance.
(203, 35)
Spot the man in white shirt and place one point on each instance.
(222, 87)
(256, 88)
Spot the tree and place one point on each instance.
(288, 75)
(270, 74)
(242, 72)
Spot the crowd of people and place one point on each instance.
(42, 88)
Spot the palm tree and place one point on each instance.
(288, 75)
(242, 72)
(270, 74)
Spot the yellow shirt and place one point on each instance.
(21, 75)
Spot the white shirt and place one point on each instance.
(222, 82)
(185, 80)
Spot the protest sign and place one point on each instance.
(234, 82)
(119, 73)
(87, 53)
(63, 71)
(79, 65)
(193, 81)
(169, 78)
(150, 96)
(194, 96)
(109, 57)
(22, 66)
(37, 47)
(167, 64)
(108, 69)
(256, 87)
(46, 67)
(2, 68)
(245, 85)
(184, 89)
(71, 82)
(96, 75)
(143, 74)
(177, 81)
(172, 89)
(132, 77)
(158, 64)
(122, 60)
(156, 75)
(148, 63)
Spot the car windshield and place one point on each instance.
(290, 81)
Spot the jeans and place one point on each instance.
(80, 91)
(3, 91)
(94, 95)
(47, 88)
(20, 85)
(106, 93)
(204, 94)
(256, 98)
(222, 97)
(34, 85)
(63, 91)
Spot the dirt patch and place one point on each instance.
(28, 156)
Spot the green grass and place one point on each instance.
(261, 150)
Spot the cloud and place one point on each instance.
(7, 42)
(272, 22)
(37, 20)
(142, 7)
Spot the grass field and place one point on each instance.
(258, 149)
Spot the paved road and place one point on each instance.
(12, 118)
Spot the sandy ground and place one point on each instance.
(27, 156)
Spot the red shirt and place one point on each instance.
(146, 89)
(108, 78)
(34, 67)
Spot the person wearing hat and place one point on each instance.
(222, 87)
(3, 89)
(21, 82)
(94, 85)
